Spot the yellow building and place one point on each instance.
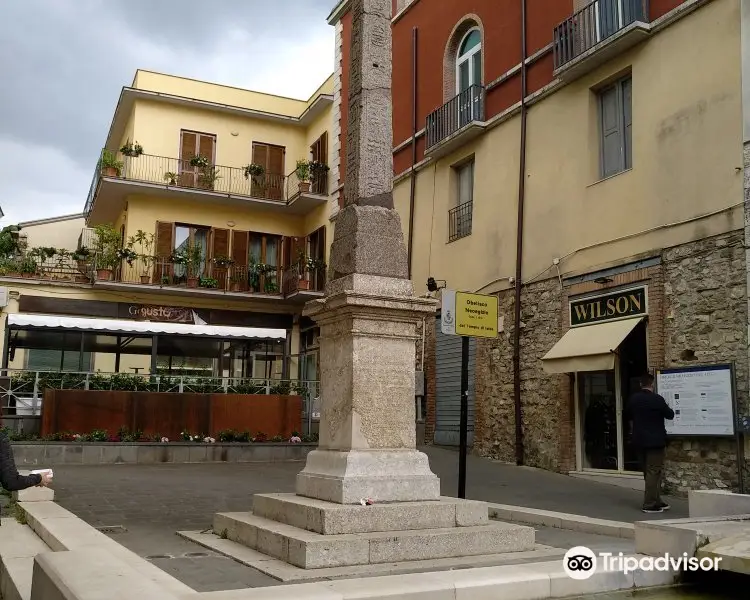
(205, 233)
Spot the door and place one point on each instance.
(319, 151)
(469, 78)
(193, 144)
(598, 418)
(270, 185)
(610, 17)
(448, 388)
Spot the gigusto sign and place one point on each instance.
(165, 314)
(622, 304)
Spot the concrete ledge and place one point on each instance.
(548, 518)
(675, 536)
(18, 547)
(519, 582)
(62, 531)
(46, 454)
(712, 503)
(91, 574)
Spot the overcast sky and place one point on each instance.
(64, 62)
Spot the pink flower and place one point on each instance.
(295, 440)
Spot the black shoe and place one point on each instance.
(652, 509)
(665, 506)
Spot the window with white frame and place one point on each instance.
(616, 127)
(459, 217)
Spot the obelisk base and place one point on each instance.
(381, 475)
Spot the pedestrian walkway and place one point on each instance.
(151, 503)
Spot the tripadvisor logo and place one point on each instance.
(580, 563)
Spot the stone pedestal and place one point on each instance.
(367, 445)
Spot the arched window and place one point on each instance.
(469, 61)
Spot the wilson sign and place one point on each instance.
(617, 305)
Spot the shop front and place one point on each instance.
(606, 352)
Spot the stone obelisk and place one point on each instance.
(369, 315)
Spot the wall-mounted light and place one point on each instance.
(432, 284)
(602, 280)
(235, 133)
(231, 223)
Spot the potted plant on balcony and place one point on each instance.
(255, 271)
(27, 266)
(208, 176)
(303, 174)
(131, 150)
(318, 172)
(255, 171)
(109, 165)
(145, 243)
(170, 177)
(193, 260)
(234, 282)
(106, 251)
(199, 161)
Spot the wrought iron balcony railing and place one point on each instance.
(459, 221)
(593, 24)
(180, 174)
(459, 112)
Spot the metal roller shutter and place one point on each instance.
(448, 388)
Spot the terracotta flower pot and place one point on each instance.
(304, 187)
(104, 274)
(145, 279)
(192, 282)
(235, 286)
(303, 284)
(109, 172)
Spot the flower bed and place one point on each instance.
(124, 435)
(98, 448)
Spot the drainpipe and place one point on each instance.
(519, 249)
(413, 176)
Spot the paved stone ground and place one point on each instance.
(153, 502)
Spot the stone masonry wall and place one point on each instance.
(705, 288)
(697, 301)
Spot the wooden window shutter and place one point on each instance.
(611, 131)
(220, 243)
(206, 147)
(163, 247)
(627, 115)
(276, 172)
(240, 247)
(188, 149)
(260, 157)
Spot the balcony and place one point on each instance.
(269, 283)
(597, 33)
(175, 178)
(459, 221)
(456, 123)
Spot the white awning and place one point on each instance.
(588, 348)
(141, 327)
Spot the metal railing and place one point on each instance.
(593, 24)
(460, 111)
(296, 279)
(317, 184)
(180, 174)
(22, 391)
(459, 221)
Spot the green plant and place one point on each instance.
(224, 534)
(199, 161)
(270, 287)
(9, 241)
(170, 177)
(81, 254)
(19, 513)
(27, 265)
(223, 261)
(98, 435)
(125, 435)
(208, 176)
(9, 266)
(208, 282)
(254, 170)
(226, 436)
(127, 254)
(277, 439)
(108, 160)
(242, 437)
(106, 246)
(145, 243)
(303, 170)
(317, 170)
(132, 150)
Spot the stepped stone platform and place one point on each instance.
(316, 534)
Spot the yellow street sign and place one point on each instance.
(476, 315)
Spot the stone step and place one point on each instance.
(329, 518)
(310, 550)
(18, 547)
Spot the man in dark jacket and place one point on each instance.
(647, 411)
(10, 478)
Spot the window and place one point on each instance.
(469, 61)
(264, 249)
(319, 151)
(57, 360)
(459, 217)
(196, 144)
(616, 127)
(186, 239)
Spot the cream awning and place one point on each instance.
(588, 348)
(35, 321)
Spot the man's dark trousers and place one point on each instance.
(652, 460)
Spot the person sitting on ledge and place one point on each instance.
(10, 478)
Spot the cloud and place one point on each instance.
(64, 63)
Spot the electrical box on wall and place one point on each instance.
(419, 383)
(3, 297)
